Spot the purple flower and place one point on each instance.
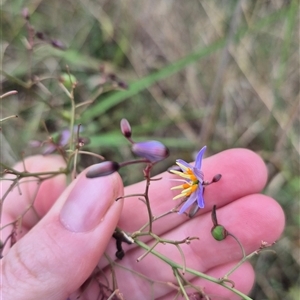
(62, 140)
(192, 188)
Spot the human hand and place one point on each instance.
(55, 255)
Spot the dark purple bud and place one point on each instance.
(40, 35)
(216, 178)
(125, 128)
(102, 169)
(112, 77)
(83, 141)
(123, 85)
(152, 150)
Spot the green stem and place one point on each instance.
(174, 265)
(27, 174)
(180, 284)
(72, 121)
(244, 259)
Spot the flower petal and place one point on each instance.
(184, 164)
(64, 137)
(188, 203)
(200, 198)
(199, 174)
(199, 158)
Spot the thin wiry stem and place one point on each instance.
(191, 271)
(182, 289)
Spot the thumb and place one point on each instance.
(53, 259)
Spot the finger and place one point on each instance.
(251, 219)
(243, 279)
(243, 172)
(54, 258)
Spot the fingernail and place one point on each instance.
(88, 202)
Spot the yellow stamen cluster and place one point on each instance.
(189, 186)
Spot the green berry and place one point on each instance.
(219, 232)
(68, 80)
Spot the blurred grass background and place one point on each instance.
(218, 73)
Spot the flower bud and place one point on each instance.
(112, 76)
(58, 44)
(40, 35)
(122, 85)
(154, 151)
(83, 141)
(120, 254)
(216, 178)
(125, 128)
(102, 169)
(219, 232)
